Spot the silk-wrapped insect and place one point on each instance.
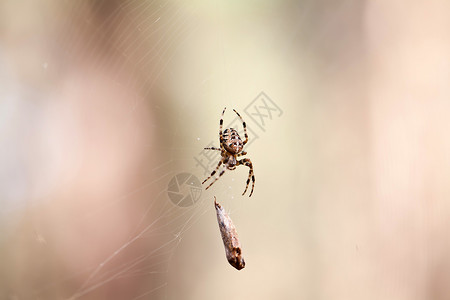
(230, 238)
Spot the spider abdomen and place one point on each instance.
(232, 141)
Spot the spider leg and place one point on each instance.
(244, 125)
(217, 178)
(241, 154)
(247, 162)
(213, 148)
(220, 127)
(213, 172)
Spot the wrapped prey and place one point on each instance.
(230, 238)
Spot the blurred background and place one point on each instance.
(105, 106)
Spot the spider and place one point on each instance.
(231, 147)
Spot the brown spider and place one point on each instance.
(230, 149)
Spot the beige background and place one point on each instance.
(103, 102)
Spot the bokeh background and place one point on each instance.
(102, 103)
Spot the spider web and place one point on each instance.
(161, 27)
(143, 39)
(154, 235)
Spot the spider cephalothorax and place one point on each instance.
(231, 147)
